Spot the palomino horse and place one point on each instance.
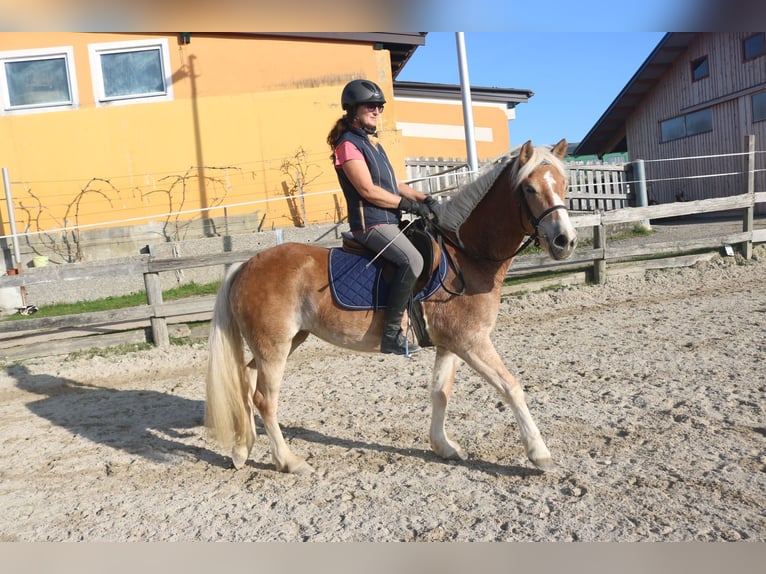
(281, 295)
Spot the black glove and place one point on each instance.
(416, 207)
(430, 201)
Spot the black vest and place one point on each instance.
(361, 213)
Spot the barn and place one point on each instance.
(687, 111)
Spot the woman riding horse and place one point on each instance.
(375, 200)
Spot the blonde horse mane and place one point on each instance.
(453, 213)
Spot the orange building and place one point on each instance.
(127, 129)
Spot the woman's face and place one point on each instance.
(367, 114)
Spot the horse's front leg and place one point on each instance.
(445, 367)
(489, 365)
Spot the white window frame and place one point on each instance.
(99, 95)
(6, 109)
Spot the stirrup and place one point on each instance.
(399, 346)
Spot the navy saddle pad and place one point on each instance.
(356, 285)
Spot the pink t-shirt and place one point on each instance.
(346, 151)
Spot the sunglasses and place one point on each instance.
(373, 107)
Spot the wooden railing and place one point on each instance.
(59, 335)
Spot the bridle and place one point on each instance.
(534, 237)
(535, 221)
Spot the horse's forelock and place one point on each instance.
(540, 156)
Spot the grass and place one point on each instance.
(121, 301)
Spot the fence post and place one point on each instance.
(747, 220)
(639, 173)
(12, 220)
(160, 335)
(599, 242)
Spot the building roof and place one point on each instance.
(508, 96)
(608, 134)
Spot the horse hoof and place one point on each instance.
(299, 467)
(239, 457)
(545, 464)
(449, 453)
(303, 468)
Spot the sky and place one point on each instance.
(574, 76)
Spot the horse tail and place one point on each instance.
(226, 413)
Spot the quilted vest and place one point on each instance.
(361, 213)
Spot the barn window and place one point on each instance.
(37, 81)
(759, 107)
(687, 125)
(131, 72)
(753, 46)
(673, 129)
(700, 69)
(699, 122)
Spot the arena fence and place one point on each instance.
(154, 322)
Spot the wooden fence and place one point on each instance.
(591, 187)
(60, 335)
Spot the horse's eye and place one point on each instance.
(529, 189)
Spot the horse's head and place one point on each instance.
(540, 178)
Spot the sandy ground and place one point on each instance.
(648, 391)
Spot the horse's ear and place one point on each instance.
(526, 152)
(560, 149)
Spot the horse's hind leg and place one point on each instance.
(245, 431)
(266, 397)
(445, 368)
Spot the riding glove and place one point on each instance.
(416, 207)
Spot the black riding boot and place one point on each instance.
(394, 341)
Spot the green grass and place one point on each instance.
(120, 301)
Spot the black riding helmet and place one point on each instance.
(361, 92)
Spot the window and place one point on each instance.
(700, 69)
(759, 107)
(753, 46)
(687, 125)
(131, 72)
(673, 129)
(37, 80)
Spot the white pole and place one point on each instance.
(465, 88)
(11, 218)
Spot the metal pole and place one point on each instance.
(465, 88)
(747, 217)
(11, 219)
(641, 195)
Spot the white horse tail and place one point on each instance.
(227, 416)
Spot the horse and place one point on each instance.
(273, 301)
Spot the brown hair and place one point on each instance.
(341, 126)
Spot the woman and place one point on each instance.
(375, 200)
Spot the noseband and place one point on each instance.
(535, 221)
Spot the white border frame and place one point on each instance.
(38, 54)
(95, 51)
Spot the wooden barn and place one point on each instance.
(687, 112)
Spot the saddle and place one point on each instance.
(356, 283)
(420, 238)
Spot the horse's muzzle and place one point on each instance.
(563, 244)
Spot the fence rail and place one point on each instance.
(57, 335)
